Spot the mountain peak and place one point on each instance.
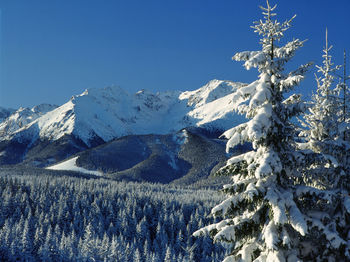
(113, 90)
(22, 117)
(213, 90)
(111, 112)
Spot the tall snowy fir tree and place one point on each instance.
(322, 131)
(344, 122)
(322, 120)
(265, 213)
(344, 90)
(326, 134)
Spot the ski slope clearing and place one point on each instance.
(70, 165)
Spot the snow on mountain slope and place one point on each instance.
(111, 112)
(217, 114)
(106, 113)
(22, 117)
(213, 90)
(71, 165)
(212, 105)
(5, 113)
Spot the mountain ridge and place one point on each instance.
(120, 113)
(98, 116)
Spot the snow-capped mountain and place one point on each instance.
(112, 112)
(16, 119)
(100, 115)
(213, 90)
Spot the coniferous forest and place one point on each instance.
(47, 218)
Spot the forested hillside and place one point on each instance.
(51, 218)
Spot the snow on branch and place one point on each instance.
(278, 206)
(251, 58)
(302, 70)
(234, 201)
(297, 219)
(262, 92)
(292, 80)
(270, 236)
(289, 49)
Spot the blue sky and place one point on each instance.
(53, 49)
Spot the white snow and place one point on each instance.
(209, 92)
(70, 165)
(297, 220)
(111, 112)
(270, 235)
(220, 111)
(252, 58)
(278, 207)
(23, 117)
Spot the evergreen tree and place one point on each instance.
(321, 124)
(343, 152)
(6, 234)
(64, 246)
(105, 246)
(265, 218)
(155, 258)
(345, 115)
(168, 255)
(146, 249)
(88, 243)
(322, 120)
(113, 252)
(137, 256)
(27, 241)
(330, 199)
(51, 245)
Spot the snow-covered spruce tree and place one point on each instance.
(263, 219)
(329, 178)
(344, 126)
(321, 123)
(343, 88)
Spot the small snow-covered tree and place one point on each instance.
(88, 244)
(27, 245)
(168, 255)
(322, 120)
(137, 257)
(264, 213)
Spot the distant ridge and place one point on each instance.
(47, 134)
